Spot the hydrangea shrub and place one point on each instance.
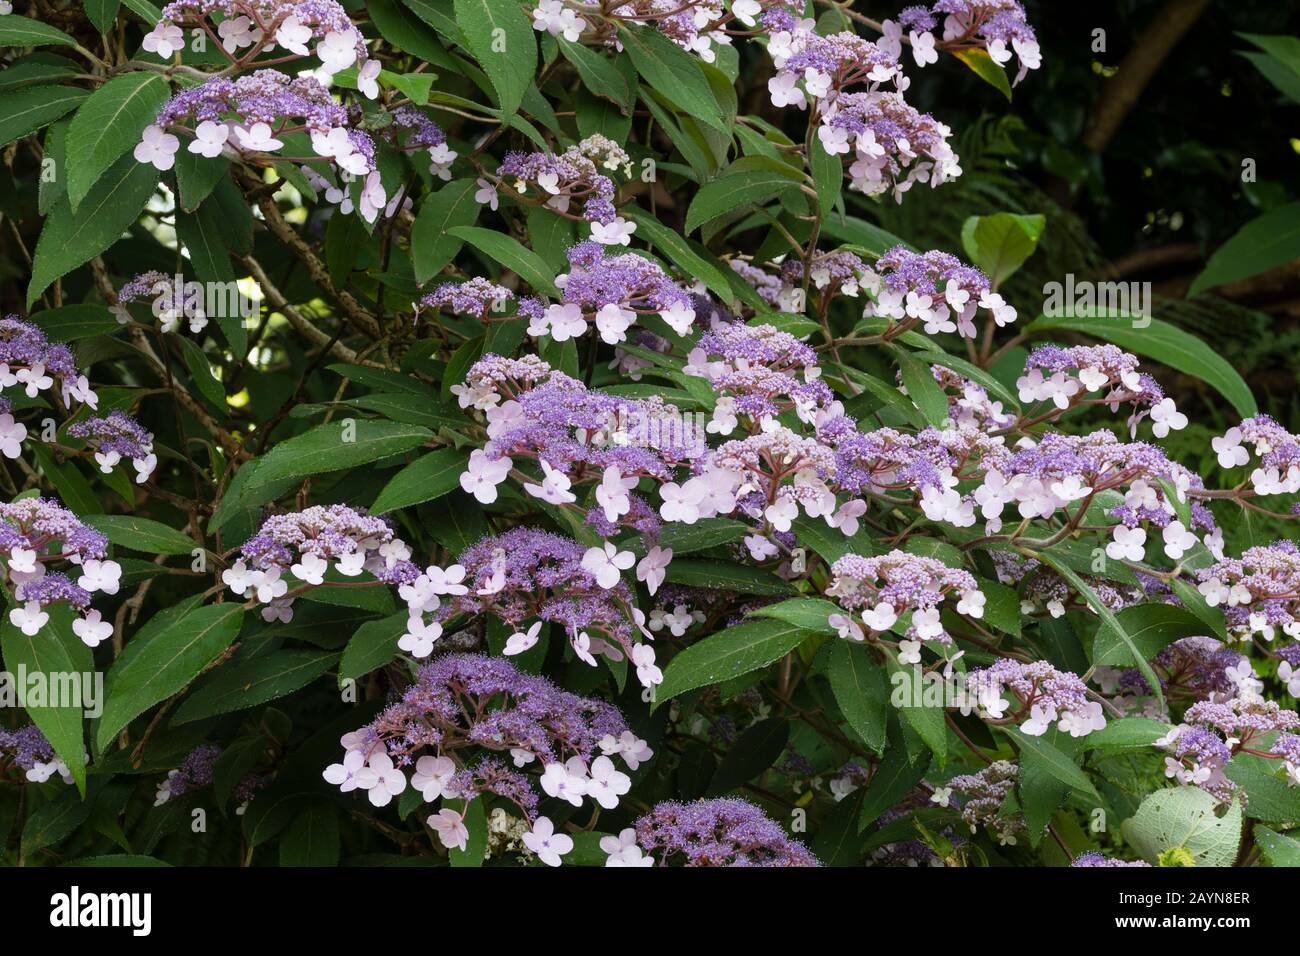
(498, 434)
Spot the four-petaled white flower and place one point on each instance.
(92, 629)
(566, 781)
(310, 569)
(103, 576)
(1178, 540)
(607, 783)
(256, 138)
(483, 474)
(237, 33)
(12, 434)
(431, 776)
(647, 672)
(554, 488)
(548, 845)
(909, 652)
(29, 618)
(521, 641)
(337, 51)
(386, 781)
(209, 139)
(1231, 452)
(923, 51)
(164, 39)
(1165, 417)
(617, 233)
(451, 829)
(623, 850)
(420, 637)
(486, 194)
(1128, 544)
(881, 617)
(157, 147)
(653, 568)
(293, 36)
(607, 564)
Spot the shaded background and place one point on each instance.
(1140, 192)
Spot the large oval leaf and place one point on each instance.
(162, 659)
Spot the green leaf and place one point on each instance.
(326, 448)
(1152, 628)
(1061, 766)
(1278, 848)
(26, 110)
(500, 37)
(674, 73)
(312, 839)
(829, 542)
(1107, 617)
(204, 376)
(984, 66)
(70, 322)
(70, 240)
(142, 534)
(599, 74)
(36, 68)
(1268, 796)
(735, 651)
(1281, 62)
(108, 124)
(1194, 602)
(512, 255)
(115, 860)
(476, 845)
(1041, 793)
(400, 27)
(53, 822)
(1001, 607)
(372, 646)
(705, 533)
(74, 490)
(54, 650)
(751, 755)
(1128, 734)
(736, 190)
(894, 779)
(252, 682)
(860, 689)
(161, 660)
(20, 31)
(102, 13)
(837, 842)
(999, 244)
(828, 174)
(806, 612)
(691, 261)
(1185, 817)
(927, 721)
(1262, 244)
(429, 476)
(411, 409)
(724, 576)
(922, 387)
(146, 10)
(1276, 72)
(1168, 345)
